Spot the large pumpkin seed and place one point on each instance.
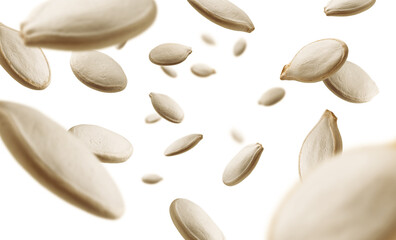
(59, 161)
(166, 107)
(98, 71)
(192, 222)
(169, 71)
(347, 7)
(107, 145)
(86, 25)
(242, 164)
(272, 96)
(352, 84)
(27, 65)
(151, 178)
(169, 54)
(239, 47)
(183, 144)
(202, 70)
(323, 142)
(316, 61)
(224, 13)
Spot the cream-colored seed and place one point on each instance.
(224, 13)
(347, 7)
(107, 145)
(239, 47)
(59, 161)
(183, 144)
(352, 84)
(169, 54)
(202, 70)
(242, 164)
(192, 222)
(272, 96)
(237, 135)
(208, 39)
(323, 142)
(98, 71)
(316, 61)
(152, 118)
(27, 65)
(121, 45)
(151, 178)
(169, 71)
(166, 107)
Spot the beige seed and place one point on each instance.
(316, 61)
(242, 164)
(98, 71)
(323, 142)
(350, 197)
(192, 222)
(152, 118)
(208, 39)
(59, 161)
(202, 70)
(26, 65)
(352, 84)
(121, 45)
(223, 13)
(237, 135)
(107, 145)
(347, 7)
(86, 25)
(272, 96)
(166, 107)
(151, 178)
(239, 47)
(169, 71)
(169, 54)
(183, 144)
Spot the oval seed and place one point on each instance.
(193, 222)
(183, 144)
(121, 45)
(350, 197)
(86, 25)
(169, 54)
(107, 145)
(272, 96)
(169, 71)
(316, 61)
(166, 107)
(208, 39)
(98, 71)
(352, 84)
(151, 178)
(224, 13)
(347, 7)
(59, 161)
(239, 47)
(242, 164)
(26, 65)
(152, 118)
(323, 142)
(237, 136)
(202, 70)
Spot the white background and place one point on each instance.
(212, 107)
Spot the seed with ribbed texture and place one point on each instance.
(316, 61)
(152, 118)
(239, 47)
(347, 7)
(183, 144)
(169, 54)
(208, 39)
(27, 65)
(87, 25)
(202, 70)
(151, 178)
(192, 222)
(166, 107)
(59, 161)
(169, 71)
(272, 96)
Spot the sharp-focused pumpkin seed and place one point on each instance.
(151, 178)
(202, 70)
(272, 96)
(166, 107)
(169, 54)
(192, 222)
(237, 135)
(27, 65)
(107, 145)
(224, 13)
(347, 7)
(352, 84)
(98, 71)
(242, 164)
(58, 160)
(208, 39)
(87, 25)
(183, 144)
(323, 142)
(239, 47)
(152, 118)
(169, 71)
(316, 61)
